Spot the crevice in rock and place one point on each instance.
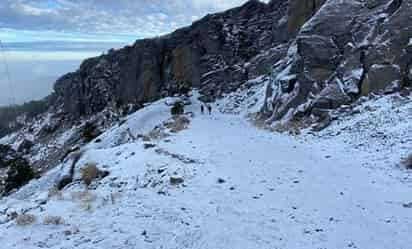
(67, 179)
(362, 57)
(394, 6)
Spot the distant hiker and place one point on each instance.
(209, 108)
(202, 109)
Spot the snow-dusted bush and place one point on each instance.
(53, 220)
(25, 219)
(85, 199)
(178, 123)
(90, 172)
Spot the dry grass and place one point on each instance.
(53, 220)
(178, 123)
(85, 199)
(293, 128)
(155, 134)
(408, 161)
(83, 196)
(55, 193)
(25, 219)
(89, 173)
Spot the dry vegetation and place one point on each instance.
(293, 128)
(25, 219)
(178, 123)
(85, 198)
(90, 172)
(155, 134)
(53, 220)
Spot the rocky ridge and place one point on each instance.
(215, 54)
(347, 50)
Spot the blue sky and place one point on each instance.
(47, 38)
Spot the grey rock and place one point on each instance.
(211, 55)
(25, 146)
(332, 96)
(381, 77)
(363, 45)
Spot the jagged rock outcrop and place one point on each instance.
(300, 11)
(213, 55)
(347, 49)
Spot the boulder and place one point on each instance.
(300, 11)
(363, 45)
(380, 77)
(332, 96)
(25, 146)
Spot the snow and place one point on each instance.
(276, 191)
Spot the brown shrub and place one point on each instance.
(85, 199)
(178, 123)
(25, 219)
(155, 134)
(89, 173)
(53, 220)
(291, 127)
(83, 196)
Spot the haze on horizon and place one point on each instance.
(45, 39)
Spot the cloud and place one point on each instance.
(141, 18)
(47, 38)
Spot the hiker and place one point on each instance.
(209, 108)
(202, 109)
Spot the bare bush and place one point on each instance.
(90, 172)
(55, 192)
(178, 123)
(53, 220)
(291, 127)
(85, 198)
(25, 219)
(156, 134)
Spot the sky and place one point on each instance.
(44, 39)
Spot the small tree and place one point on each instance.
(19, 174)
(178, 108)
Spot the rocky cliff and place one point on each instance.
(215, 54)
(349, 48)
(321, 55)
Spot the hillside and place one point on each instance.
(240, 186)
(305, 145)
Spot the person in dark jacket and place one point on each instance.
(209, 108)
(202, 109)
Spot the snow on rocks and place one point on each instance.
(245, 188)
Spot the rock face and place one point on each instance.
(211, 55)
(300, 11)
(348, 48)
(321, 54)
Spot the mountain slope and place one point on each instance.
(242, 187)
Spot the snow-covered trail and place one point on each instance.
(282, 193)
(251, 189)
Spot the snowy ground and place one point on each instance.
(243, 188)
